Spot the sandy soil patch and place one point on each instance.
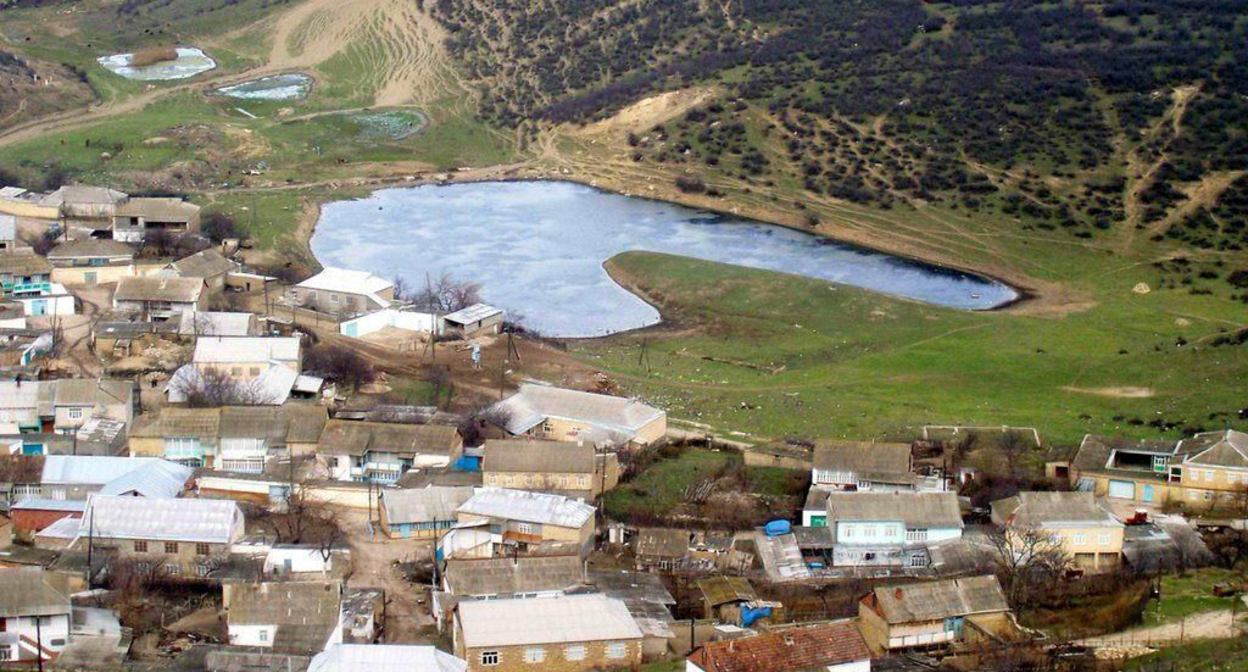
(652, 111)
(1126, 392)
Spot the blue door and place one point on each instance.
(32, 448)
(39, 307)
(405, 531)
(1147, 494)
(353, 330)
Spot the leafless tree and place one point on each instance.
(340, 364)
(1027, 559)
(1013, 446)
(303, 521)
(441, 386)
(447, 295)
(213, 388)
(159, 242)
(402, 292)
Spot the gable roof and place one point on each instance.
(717, 590)
(530, 507)
(71, 194)
(159, 288)
(90, 469)
(91, 247)
(203, 264)
(1227, 448)
(270, 388)
(191, 520)
(347, 281)
(159, 479)
(215, 323)
(92, 391)
(24, 593)
(617, 418)
(23, 261)
(662, 542)
(226, 349)
(306, 422)
(1051, 509)
(934, 600)
(158, 209)
(350, 437)
(545, 457)
(509, 576)
(423, 505)
(176, 422)
(385, 658)
(305, 612)
(555, 620)
(886, 462)
(915, 509)
(792, 650)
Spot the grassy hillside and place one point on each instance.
(779, 355)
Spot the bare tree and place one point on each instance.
(1027, 559)
(303, 521)
(340, 364)
(212, 388)
(402, 291)
(1013, 446)
(441, 386)
(447, 295)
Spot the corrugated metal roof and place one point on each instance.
(158, 480)
(44, 504)
(886, 462)
(24, 593)
(159, 288)
(226, 349)
(1227, 448)
(531, 507)
(92, 391)
(192, 520)
(474, 313)
(423, 505)
(90, 469)
(719, 590)
(1053, 509)
(158, 209)
(203, 264)
(935, 600)
(347, 281)
(556, 620)
(91, 247)
(619, 416)
(68, 527)
(385, 658)
(350, 437)
(214, 323)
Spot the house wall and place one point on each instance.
(78, 275)
(119, 412)
(325, 301)
(540, 481)
(26, 522)
(1219, 479)
(52, 633)
(758, 458)
(186, 558)
(252, 635)
(512, 658)
(1093, 548)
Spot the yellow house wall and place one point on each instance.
(77, 275)
(512, 658)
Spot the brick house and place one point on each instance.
(183, 536)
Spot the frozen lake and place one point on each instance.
(537, 249)
(289, 86)
(190, 62)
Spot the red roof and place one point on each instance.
(787, 651)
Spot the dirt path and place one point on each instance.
(373, 566)
(1204, 625)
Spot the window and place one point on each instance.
(201, 549)
(6, 653)
(202, 571)
(524, 528)
(171, 547)
(264, 635)
(534, 654)
(253, 371)
(59, 641)
(849, 531)
(173, 569)
(75, 413)
(489, 658)
(575, 652)
(1103, 539)
(45, 621)
(140, 546)
(617, 650)
(868, 531)
(1080, 539)
(916, 534)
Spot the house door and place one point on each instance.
(405, 531)
(90, 277)
(39, 307)
(1122, 489)
(353, 330)
(1147, 495)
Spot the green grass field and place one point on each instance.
(805, 358)
(1213, 655)
(1191, 593)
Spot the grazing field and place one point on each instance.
(1213, 655)
(778, 355)
(1191, 593)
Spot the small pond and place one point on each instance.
(537, 249)
(190, 62)
(289, 86)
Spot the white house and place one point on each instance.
(343, 291)
(891, 528)
(34, 617)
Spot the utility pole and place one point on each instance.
(39, 641)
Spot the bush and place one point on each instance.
(218, 226)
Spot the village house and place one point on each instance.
(731, 599)
(229, 438)
(24, 273)
(160, 299)
(891, 529)
(678, 549)
(293, 617)
(32, 515)
(570, 634)
(136, 217)
(62, 406)
(1199, 472)
(85, 211)
(90, 262)
(934, 614)
(557, 414)
(497, 522)
(34, 617)
(382, 452)
(384, 658)
(1087, 532)
(8, 232)
(868, 466)
(513, 578)
(342, 292)
(420, 513)
(179, 536)
(474, 321)
(830, 647)
(215, 323)
(247, 357)
(208, 265)
(561, 467)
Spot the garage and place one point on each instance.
(1122, 489)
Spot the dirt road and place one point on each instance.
(373, 562)
(1204, 625)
